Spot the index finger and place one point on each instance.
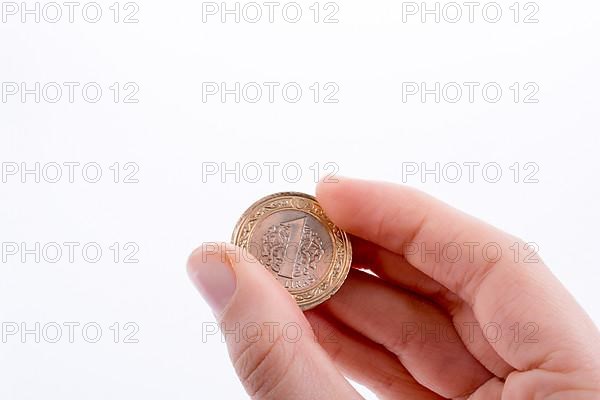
(502, 291)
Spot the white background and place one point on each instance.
(171, 132)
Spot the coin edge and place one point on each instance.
(345, 270)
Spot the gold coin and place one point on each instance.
(290, 235)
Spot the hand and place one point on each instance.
(426, 321)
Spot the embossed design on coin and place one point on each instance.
(292, 238)
(292, 250)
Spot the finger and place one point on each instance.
(476, 339)
(413, 224)
(270, 342)
(365, 361)
(416, 331)
(509, 294)
(395, 269)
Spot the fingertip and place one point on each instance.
(328, 185)
(211, 271)
(341, 200)
(329, 192)
(343, 188)
(200, 254)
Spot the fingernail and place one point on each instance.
(213, 276)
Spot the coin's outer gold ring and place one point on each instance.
(341, 257)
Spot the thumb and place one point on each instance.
(271, 344)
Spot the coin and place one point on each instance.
(290, 235)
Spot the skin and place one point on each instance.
(407, 323)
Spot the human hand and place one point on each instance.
(433, 323)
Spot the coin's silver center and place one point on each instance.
(292, 250)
